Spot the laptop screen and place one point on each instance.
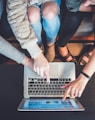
(50, 104)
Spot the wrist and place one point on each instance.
(26, 60)
(85, 75)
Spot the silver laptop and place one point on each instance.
(40, 96)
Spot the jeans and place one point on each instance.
(1, 7)
(69, 24)
(58, 2)
(51, 28)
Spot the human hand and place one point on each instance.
(75, 88)
(41, 67)
(89, 2)
(28, 62)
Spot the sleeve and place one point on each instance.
(9, 51)
(73, 5)
(17, 17)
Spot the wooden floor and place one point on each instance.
(76, 48)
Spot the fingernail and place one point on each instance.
(48, 81)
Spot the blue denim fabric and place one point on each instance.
(51, 28)
(37, 27)
(58, 2)
(1, 7)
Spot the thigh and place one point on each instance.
(69, 24)
(71, 21)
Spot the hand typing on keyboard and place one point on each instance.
(41, 67)
(75, 88)
(38, 86)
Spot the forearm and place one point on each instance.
(89, 69)
(83, 8)
(9, 51)
(17, 17)
(79, 5)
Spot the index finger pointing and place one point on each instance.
(47, 77)
(66, 94)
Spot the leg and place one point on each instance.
(58, 2)
(1, 8)
(69, 24)
(34, 18)
(51, 24)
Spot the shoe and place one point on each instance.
(50, 53)
(64, 58)
(83, 60)
(75, 48)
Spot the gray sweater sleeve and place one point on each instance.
(17, 17)
(9, 51)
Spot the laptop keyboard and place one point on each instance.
(38, 87)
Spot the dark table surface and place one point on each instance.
(11, 93)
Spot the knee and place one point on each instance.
(49, 10)
(33, 14)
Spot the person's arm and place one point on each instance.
(11, 52)
(89, 2)
(17, 17)
(80, 5)
(89, 69)
(87, 6)
(18, 20)
(77, 87)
